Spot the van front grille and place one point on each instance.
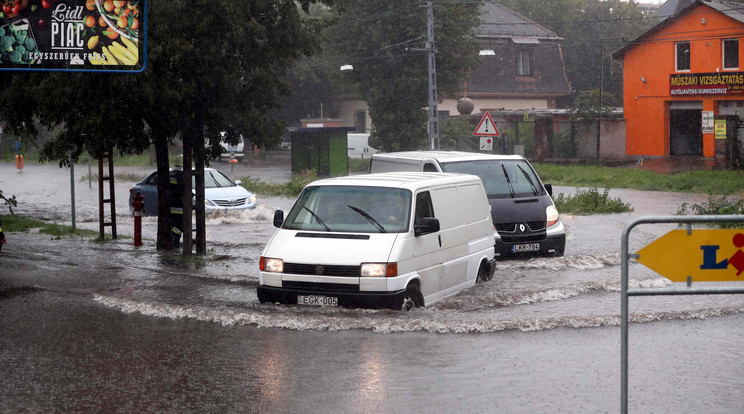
(320, 287)
(530, 227)
(321, 270)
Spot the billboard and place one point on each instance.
(73, 35)
(715, 83)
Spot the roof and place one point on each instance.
(407, 180)
(505, 31)
(730, 9)
(499, 21)
(444, 156)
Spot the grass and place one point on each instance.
(586, 202)
(289, 189)
(57, 231)
(721, 182)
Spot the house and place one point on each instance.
(522, 66)
(522, 69)
(682, 82)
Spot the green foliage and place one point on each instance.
(701, 182)
(587, 104)
(359, 165)
(289, 189)
(9, 202)
(456, 134)
(715, 206)
(590, 201)
(564, 145)
(376, 37)
(22, 224)
(593, 30)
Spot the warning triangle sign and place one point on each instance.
(486, 127)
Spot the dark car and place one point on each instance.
(221, 193)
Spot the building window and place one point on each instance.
(683, 56)
(524, 68)
(731, 54)
(360, 121)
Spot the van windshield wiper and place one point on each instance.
(369, 218)
(527, 176)
(508, 181)
(317, 218)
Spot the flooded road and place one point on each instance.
(151, 331)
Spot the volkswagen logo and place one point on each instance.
(319, 270)
(521, 228)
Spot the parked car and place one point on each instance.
(229, 151)
(220, 192)
(524, 215)
(397, 240)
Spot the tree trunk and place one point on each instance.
(164, 241)
(187, 192)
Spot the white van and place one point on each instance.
(524, 215)
(397, 240)
(357, 146)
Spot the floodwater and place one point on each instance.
(543, 335)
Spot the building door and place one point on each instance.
(685, 132)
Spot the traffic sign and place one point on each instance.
(486, 127)
(486, 144)
(705, 255)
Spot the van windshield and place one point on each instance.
(501, 178)
(351, 209)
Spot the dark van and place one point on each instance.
(524, 216)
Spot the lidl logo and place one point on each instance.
(705, 255)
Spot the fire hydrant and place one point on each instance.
(138, 203)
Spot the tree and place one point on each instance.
(592, 30)
(377, 38)
(213, 65)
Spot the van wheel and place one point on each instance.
(412, 298)
(484, 275)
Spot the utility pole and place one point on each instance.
(431, 50)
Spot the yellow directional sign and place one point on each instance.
(706, 255)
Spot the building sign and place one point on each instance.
(720, 129)
(708, 122)
(73, 35)
(716, 83)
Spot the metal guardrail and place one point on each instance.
(625, 256)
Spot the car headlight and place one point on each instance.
(379, 269)
(268, 264)
(552, 214)
(209, 203)
(252, 198)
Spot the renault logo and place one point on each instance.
(319, 270)
(521, 228)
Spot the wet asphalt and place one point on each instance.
(107, 327)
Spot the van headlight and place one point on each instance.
(268, 264)
(209, 203)
(252, 199)
(379, 269)
(552, 214)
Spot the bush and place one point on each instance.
(290, 189)
(590, 202)
(714, 206)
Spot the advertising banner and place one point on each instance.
(716, 83)
(73, 35)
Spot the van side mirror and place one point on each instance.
(428, 225)
(549, 189)
(278, 218)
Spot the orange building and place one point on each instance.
(682, 76)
